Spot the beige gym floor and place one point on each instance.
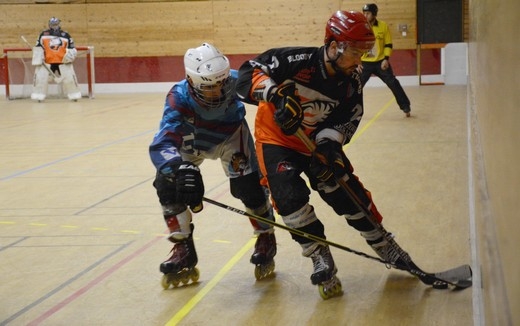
(82, 236)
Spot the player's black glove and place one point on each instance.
(327, 163)
(188, 183)
(289, 113)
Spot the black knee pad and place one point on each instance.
(289, 191)
(165, 189)
(247, 188)
(363, 224)
(339, 201)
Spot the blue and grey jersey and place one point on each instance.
(188, 127)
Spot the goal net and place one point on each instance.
(19, 74)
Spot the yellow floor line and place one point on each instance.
(212, 283)
(369, 123)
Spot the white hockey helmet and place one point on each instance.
(207, 72)
(54, 23)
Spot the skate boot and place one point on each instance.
(180, 267)
(388, 250)
(263, 256)
(324, 274)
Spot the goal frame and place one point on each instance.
(89, 70)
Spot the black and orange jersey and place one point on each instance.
(328, 102)
(55, 45)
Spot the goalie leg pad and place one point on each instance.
(37, 56)
(40, 84)
(70, 83)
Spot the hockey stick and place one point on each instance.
(291, 230)
(56, 78)
(460, 277)
(456, 276)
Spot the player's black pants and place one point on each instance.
(388, 77)
(283, 168)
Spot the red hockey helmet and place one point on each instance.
(349, 28)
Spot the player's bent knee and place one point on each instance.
(247, 188)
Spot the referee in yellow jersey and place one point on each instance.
(377, 60)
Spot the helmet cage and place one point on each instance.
(54, 23)
(211, 96)
(208, 75)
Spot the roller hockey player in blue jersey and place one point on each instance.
(316, 91)
(204, 119)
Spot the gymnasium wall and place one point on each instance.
(493, 101)
(140, 41)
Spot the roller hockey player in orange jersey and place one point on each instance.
(204, 119)
(317, 90)
(53, 56)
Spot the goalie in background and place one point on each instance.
(53, 56)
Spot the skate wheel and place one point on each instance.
(258, 272)
(169, 279)
(330, 290)
(165, 282)
(323, 293)
(264, 271)
(185, 278)
(173, 279)
(195, 275)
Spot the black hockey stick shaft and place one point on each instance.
(291, 230)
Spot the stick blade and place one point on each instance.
(460, 277)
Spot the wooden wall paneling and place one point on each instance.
(159, 28)
(130, 1)
(245, 26)
(29, 20)
(394, 13)
(13, 2)
(59, 1)
(149, 29)
(2, 2)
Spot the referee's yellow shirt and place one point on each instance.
(383, 45)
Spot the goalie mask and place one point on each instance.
(207, 72)
(54, 24)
